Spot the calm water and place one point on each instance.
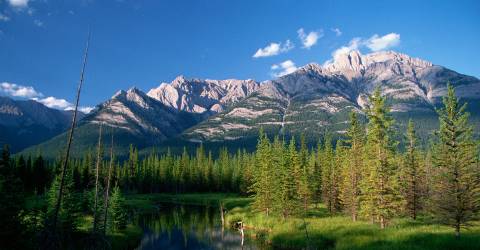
(188, 227)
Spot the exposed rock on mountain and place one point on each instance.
(141, 115)
(315, 99)
(312, 100)
(202, 96)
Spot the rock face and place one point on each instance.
(312, 100)
(315, 99)
(141, 115)
(202, 96)
(26, 123)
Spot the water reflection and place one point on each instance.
(188, 227)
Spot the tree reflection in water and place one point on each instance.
(188, 227)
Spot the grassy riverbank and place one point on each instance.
(320, 231)
(324, 231)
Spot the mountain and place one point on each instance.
(202, 96)
(313, 100)
(133, 117)
(25, 123)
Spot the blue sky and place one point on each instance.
(143, 43)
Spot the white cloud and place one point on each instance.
(337, 31)
(18, 3)
(374, 43)
(274, 49)
(15, 90)
(62, 104)
(28, 92)
(283, 68)
(354, 44)
(55, 103)
(310, 39)
(4, 18)
(38, 23)
(86, 110)
(377, 43)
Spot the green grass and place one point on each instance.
(339, 232)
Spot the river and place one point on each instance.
(175, 227)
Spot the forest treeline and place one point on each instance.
(366, 175)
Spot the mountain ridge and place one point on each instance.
(312, 100)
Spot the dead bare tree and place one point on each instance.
(70, 138)
(108, 188)
(97, 170)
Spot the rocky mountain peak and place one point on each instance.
(201, 96)
(355, 61)
(179, 80)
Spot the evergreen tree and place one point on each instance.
(11, 202)
(290, 202)
(412, 173)
(117, 215)
(303, 184)
(316, 176)
(263, 179)
(70, 207)
(328, 174)
(380, 194)
(457, 187)
(352, 171)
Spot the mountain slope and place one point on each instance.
(312, 100)
(26, 123)
(134, 118)
(316, 99)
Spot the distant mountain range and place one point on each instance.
(26, 123)
(312, 100)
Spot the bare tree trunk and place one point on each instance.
(382, 222)
(222, 214)
(108, 188)
(97, 169)
(70, 138)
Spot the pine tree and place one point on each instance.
(11, 202)
(457, 183)
(340, 156)
(328, 185)
(290, 202)
(352, 171)
(117, 215)
(380, 194)
(412, 173)
(263, 179)
(304, 190)
(70, 207)
(316, 178)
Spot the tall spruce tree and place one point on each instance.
(316, 178)
(304, 190)
(354, 165)
(118, 218)
(380, 195)
(289, 195)
(412, 173)
(263, 179)
(329, 189)
(457, 183)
